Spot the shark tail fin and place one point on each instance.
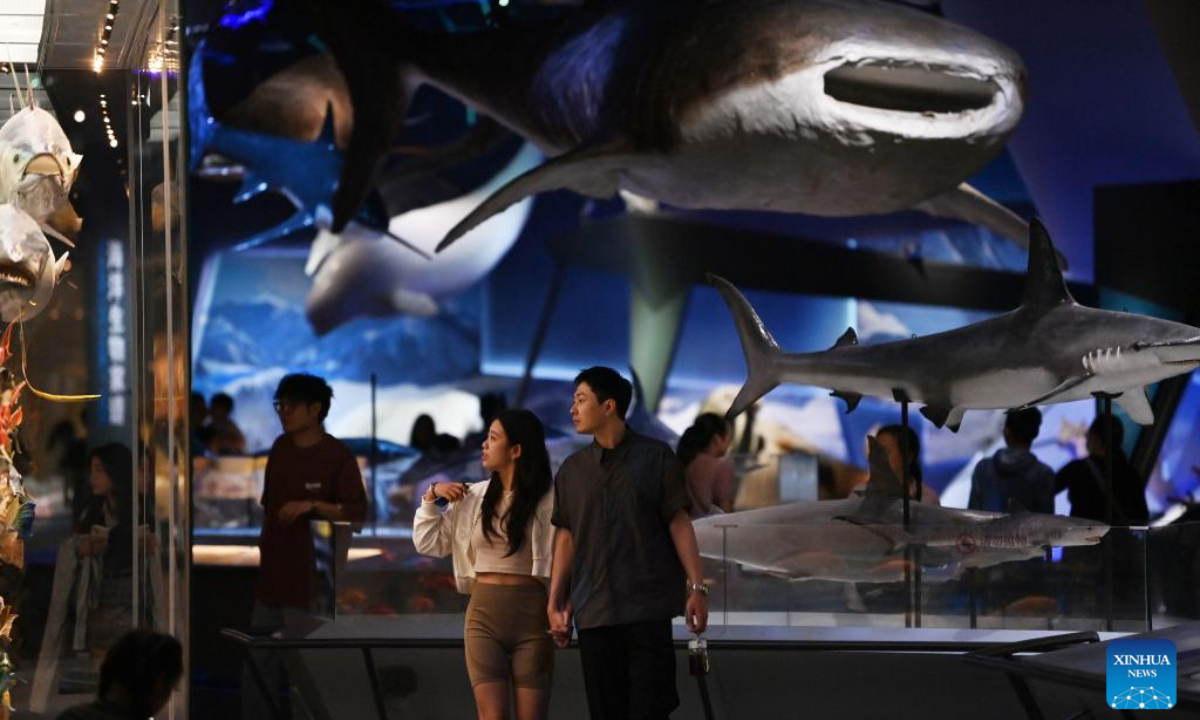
(761, 350)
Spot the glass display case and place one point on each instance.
(96, 375)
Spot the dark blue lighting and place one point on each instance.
(235, 20)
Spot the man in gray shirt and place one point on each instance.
(626, 550)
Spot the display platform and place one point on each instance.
(1077, 664)
(412, 666)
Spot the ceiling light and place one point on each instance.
(112, 143)
(80, 116)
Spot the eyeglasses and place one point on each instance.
(283, 406)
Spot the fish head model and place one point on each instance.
(28, 268)
(37, 165)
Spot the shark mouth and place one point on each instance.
(15, 275)
(908, 87)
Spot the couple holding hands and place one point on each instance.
(608, 546)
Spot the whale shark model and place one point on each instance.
(827, 107)
(1049, 350)
(862, 538)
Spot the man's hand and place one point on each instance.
(560, 623)
(293, 510)
(696, 612)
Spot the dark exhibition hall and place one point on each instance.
(609, 359)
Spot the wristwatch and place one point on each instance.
(697, 587)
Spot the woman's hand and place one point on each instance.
(448, 490)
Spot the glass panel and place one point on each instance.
(162, 552)
(106, 554)
(1173, 554)
(844, 573)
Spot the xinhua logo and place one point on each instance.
(1141, 674)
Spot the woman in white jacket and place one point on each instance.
(499, 535)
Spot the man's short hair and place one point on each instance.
(608, 384)
(140, 658)
(223, 400)
(1023, 425)
(1098, 429)
(305, 388)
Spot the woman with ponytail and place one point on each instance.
(499, 535)
(710, 477)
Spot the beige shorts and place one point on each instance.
(506, 636)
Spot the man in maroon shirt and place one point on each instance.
(310, 475)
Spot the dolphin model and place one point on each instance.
(827, 107)
(862, 538)
(1049, 350)
(363, 272)
(28, 269)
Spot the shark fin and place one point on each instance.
(1136, 406)
(328, 134)
(1065, 386)
(759, 347)
(848, 338)
(883, 482)
(936, 414)
(969, 205)
(954, 421)
(593, 172)
(298, 221)
(65, 223)
(365, 46)
(852, 399)
(49, 231)
(1045, 287)
(60, 266)
(252, 186)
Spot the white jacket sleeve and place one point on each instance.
(433, 530)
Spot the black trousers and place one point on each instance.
(629, 671)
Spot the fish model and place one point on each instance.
(862, 538)
(1048, 350)
(28, 269)
(305, 173)
(37, 169)
(363, 272)
(826, 107)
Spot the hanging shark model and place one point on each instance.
(1049, 350)
(364, 272)
(862, 538)
(827, 107)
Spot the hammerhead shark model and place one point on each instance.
(862, 538)
(827, 107)
(1049, 350)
